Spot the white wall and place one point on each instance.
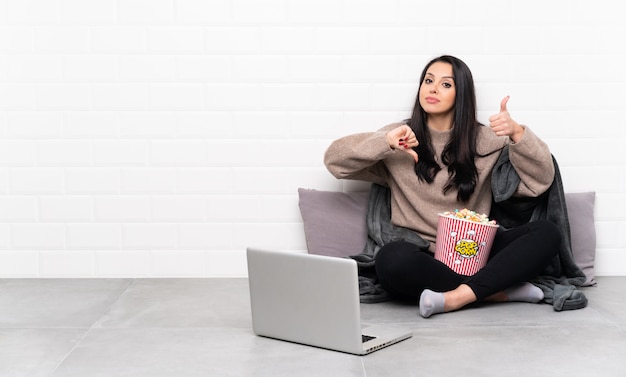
(162, 137)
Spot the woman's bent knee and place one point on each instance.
(394, 256)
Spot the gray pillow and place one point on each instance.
(580, 211)
(335, 225)
(334, 222)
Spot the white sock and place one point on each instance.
(430, 303)
(525, 292)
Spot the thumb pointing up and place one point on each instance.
(503, 104)
(502, 124)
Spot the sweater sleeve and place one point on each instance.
(532, 160)
(359, 156)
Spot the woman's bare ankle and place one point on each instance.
(458, 298)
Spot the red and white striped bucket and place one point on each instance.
(464, 245)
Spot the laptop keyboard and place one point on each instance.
(365, 338)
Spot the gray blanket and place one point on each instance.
(559, 281)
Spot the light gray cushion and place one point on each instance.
(580, 211)
(334, 222)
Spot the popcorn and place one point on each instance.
(466, 214)
(464, 240)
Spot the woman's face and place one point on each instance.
(437, 92)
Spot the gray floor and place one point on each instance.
(202, 327)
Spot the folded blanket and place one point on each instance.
(559, 280)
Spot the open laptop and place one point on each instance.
(313, 300)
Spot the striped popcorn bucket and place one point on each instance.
(464, 245)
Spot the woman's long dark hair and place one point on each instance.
(460, 152)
